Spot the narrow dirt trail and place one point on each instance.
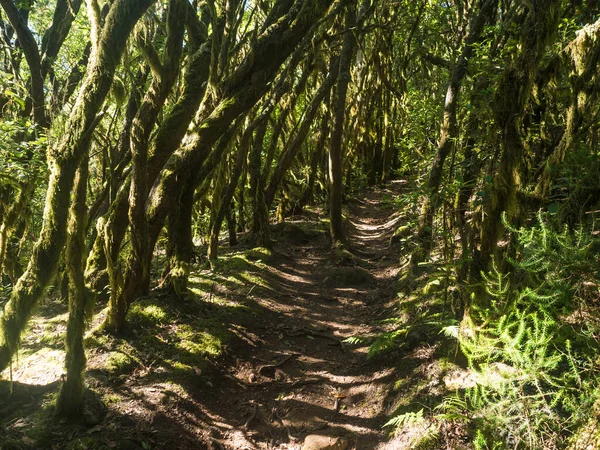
(291, 375)
(254, 359)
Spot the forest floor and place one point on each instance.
(268, 352)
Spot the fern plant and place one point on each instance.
(533, 362)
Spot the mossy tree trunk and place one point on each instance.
(388, 152)
(165, 141)
(448, 133)
(277, 130)
(287, 158)
(471, 169)
(241, 91)
(308, 194)
(585, 55)
(241, 201)
(337, 128)
(115, 197)
(165, 74)
(231, 224)
(10, 221)
(30, 49)
(238, 93)
(70, 399)
(180, 247)
(40, 61)
(63, 161)
(260, 217)
(225, 204)
(511, 98)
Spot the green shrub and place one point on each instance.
(528, 342)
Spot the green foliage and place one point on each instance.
(355, 340)
(14, 92)
(22, 151)
(408, 418)
(408, 334)
(532, 358)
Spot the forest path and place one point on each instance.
(254, 359)
(291, 375)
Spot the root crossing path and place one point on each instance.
(292, 380)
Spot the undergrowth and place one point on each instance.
(530, 338)
(529, 344)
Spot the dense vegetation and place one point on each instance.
(133, 130)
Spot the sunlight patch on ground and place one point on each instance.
(349, 380)
(42, 367)
(40, 359)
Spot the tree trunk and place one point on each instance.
(308, 194)
(180, 244)
(231, 225)
(510, 109)
(241, 91)
(260, 218)
(448, 134)
(337, 128)
(225, 205)
(166, 140)
(70, 399)
(241, 200)
(292, 149)
(10, 219)
(137, 282)
(63, 161)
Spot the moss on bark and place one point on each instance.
(63, 161)
(70, 399)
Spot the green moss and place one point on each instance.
(181, 369)
(588, 435)
(433, 287)
(251, 278)
(112, 399)
(233, 264)
(96, 339)
(341, 256)
(398, 384)
(400, 233)
(300, 234)
(119, 362)
(197, 344)
(147, 312)
(258, 254)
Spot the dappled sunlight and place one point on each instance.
(256, 348)
(42, 367)
(40, 358)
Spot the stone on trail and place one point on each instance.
(320, 442)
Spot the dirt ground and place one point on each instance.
(287, 373)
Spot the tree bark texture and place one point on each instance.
(448, 132)
(335, 145)
(63, 161)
